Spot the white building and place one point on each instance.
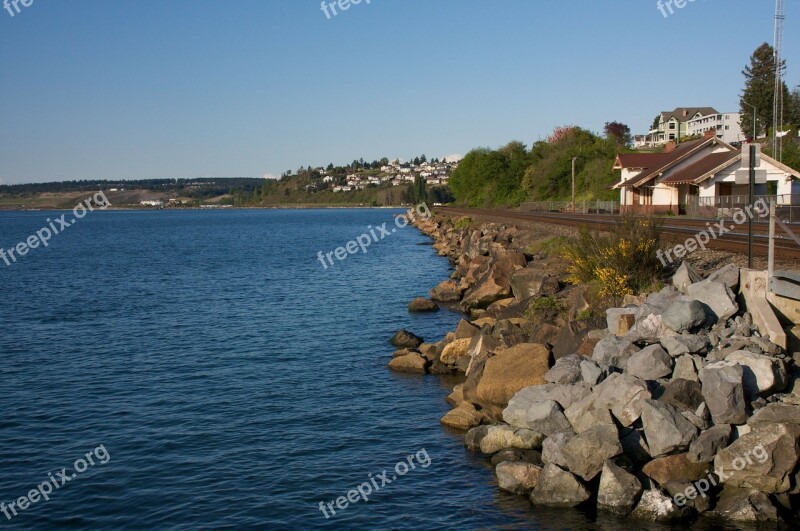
(725, 126)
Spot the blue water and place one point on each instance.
(228, 380)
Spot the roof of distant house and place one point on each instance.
(679, 115)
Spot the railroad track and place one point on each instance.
(673, 229)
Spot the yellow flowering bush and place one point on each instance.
(621, 262)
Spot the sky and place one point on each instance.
(128, 89)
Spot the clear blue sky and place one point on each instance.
(187, 88)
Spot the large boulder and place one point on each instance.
(684, 344)
(776, 413)
(584, 415)
(447, 291)
(491, 287)
(501, 436)
(517, 477)
(676, 467)
(518, 406)
(473, 438)
(463, 417)
(623, 395)
(728, 275)
(658, 507)
(763, 459)
(413, 363)
(723, 391)
(716, 296)
(683, 316)
(684, 277)
(687, 368)
(566, 370)
(553, 447)
(614, 351)
(544, 416)
(709, 443)
(685, 395)
(745, 505)
(619, 490)
(558, 488)
(405, 339)
(586, 452)
(455, 350)
(666, 430)
(650, 363)
(510, 370)
(762, 374)
(593, 372)
(422, 305)
(533, 281)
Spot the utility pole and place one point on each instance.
(573, 183)
(778, 96)
(751, 187)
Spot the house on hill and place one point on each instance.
(698, 177)
(673, 125)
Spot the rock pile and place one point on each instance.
(670, 407)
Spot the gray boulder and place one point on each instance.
(666, 430)
(776, 413)
(586, 452)
(592, 372)
(516, 413)
(684, 344)
(723, 392)
(764, 459)
(709, 443)
(685, 395)
(566, 370)
(553, 446)
(517, 477)
(584, 415)
(619, 490)
(762, 374)
(558, 488)
(533, 457)
(658, 507)
(745, 505)
(650, 363)
(728, 275)
(614, 351)
(623, 395)
(543, 417)
(716, 296)
(683, 316)
(686, 367)
(684, 277)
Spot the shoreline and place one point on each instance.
(532, 385)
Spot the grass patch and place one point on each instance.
(552, 246)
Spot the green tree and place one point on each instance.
(759, 91)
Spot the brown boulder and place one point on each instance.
(421, 305)
(675, 468)
(513, 369)
(447, 291)
(411, 363)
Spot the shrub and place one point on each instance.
(622, 261)
(544, 308)
(463, 223)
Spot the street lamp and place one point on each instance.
(755, 111)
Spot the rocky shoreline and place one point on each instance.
(669, 408)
